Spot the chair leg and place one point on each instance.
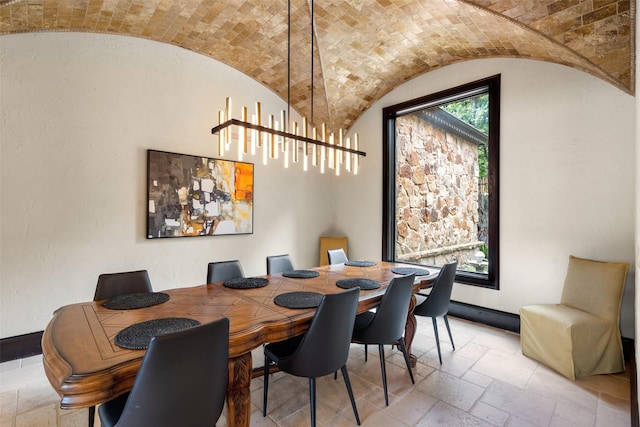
(366, 352)
(312, 400)
(435, 330)
(265, 387)
(403, 348)
(345, 375)
(383, 369)
(92, 416)
(446, 322)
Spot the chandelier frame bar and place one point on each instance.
(231, 122)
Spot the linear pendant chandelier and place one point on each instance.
(251, 137)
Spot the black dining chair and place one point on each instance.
(322, 350)
(182, 381)
(337, 256)
(224, 270)
(130, 282)
(279, 263)
(386, 325)
(438, 300)
(113, 284)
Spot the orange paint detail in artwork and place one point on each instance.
(244, 182)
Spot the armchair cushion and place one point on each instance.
(594, 286)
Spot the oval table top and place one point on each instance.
(86, 367)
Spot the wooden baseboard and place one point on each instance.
(20, 346)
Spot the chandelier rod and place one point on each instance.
(312, 85)
(288, 60)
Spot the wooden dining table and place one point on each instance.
(86, 367)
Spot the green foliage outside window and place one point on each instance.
(475, 112)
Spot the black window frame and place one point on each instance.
(389, 115)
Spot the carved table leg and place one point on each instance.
(410, 331)
(239, 391)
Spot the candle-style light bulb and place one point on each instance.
(242, 136)
(245, 142)
(355, 156)
(331, 152)
(323, 150)
(259, 123)
(295, 131)
(347, 156)
(314, 148)
(223, 134)
(254, 136)
(340, 142)
(285, 143)
(272, 139)
(283, 128)
(305, 158)
(277, 141)
(227, 111)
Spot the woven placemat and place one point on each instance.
(300, 274)
(246, 282)
(298, 299)
(409, 270)
(138, 335)
(365, 284)
(137, 300)
(360, 263)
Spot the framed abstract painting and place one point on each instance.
(197, 196)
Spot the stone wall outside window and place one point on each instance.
(437, 195)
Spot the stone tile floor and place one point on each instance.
(486, 381)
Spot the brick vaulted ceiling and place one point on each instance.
(362, 48)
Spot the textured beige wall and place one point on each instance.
(567, 182)
(78, 112)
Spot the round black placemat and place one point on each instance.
(409, 270)
(298, 299)
(365, 284)
(138, 335)
(133, 301)
(360, 263)
(246, 282)
(300, 274)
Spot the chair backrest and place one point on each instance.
(224, 270)
(327, 243)
(114, 284)
(183, 379)
(595, 287)
(390, 318)
(337, 256)
(324, 349)
(437, 304)
(279, 263)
